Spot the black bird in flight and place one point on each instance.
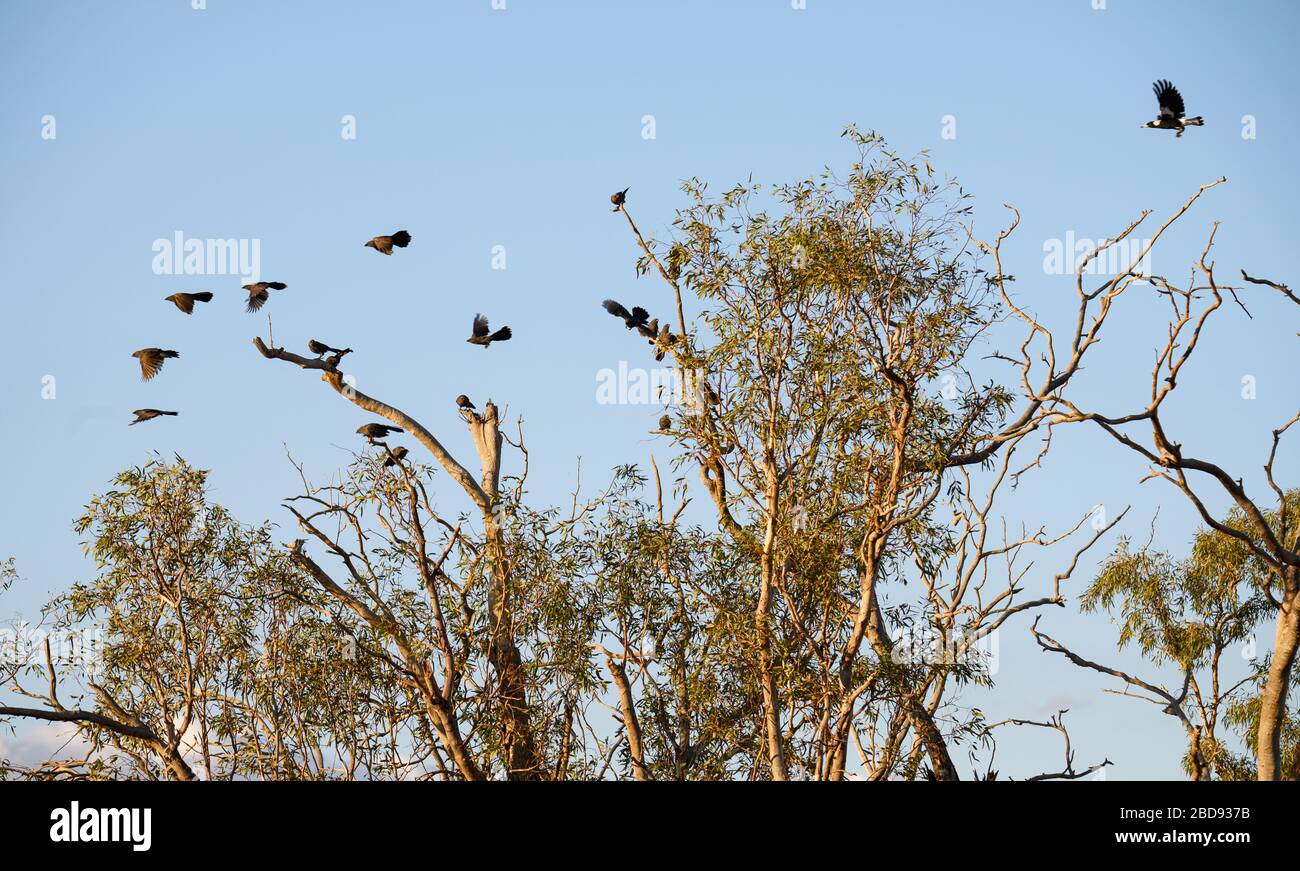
(619, 199)
(151, 361)
(632, 320)
(1171, 110)
(377, 430)
(481, 335)
(143, 414)
(384, 244)
(320, 349)
(462, 401)
(258, 293)
(399, 453)
(185, 301)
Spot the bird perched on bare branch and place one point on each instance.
(258, 293)
(634, 319)
(337, 357)
(1171, 110)
(143, 414)
(151, 360)
(463, 402)
(320, 349)
(185, 301)
(481, 335)
(374, 431)
(384, 244)
(619, 199)
(399, 453)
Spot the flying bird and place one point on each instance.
(1171, 110)
(399, 453)
(481, 335)
(185, 301)
(619, 199)
(151, 360)
(258, 293)
(632, 320)
(377, 430)
(462, 401)
(143, 414)
(384, 244)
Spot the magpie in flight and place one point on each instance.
(143, 414)
(374, 431)
(481, 335)
(632, 320)
(384, 244)
(185, 301)
(1171, 110)
(151, 361)
(259, 293)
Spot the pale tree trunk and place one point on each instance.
(1272, 701)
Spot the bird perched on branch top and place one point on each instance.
(1171, 110)
(481, 336)
(319, 348)
(632, 320)
(619, 199)
(399, 453)
(143, 414)
(377, 430)
(258, 293)
(185, 301)
(462, 401)
(384, 244)
(151, 361)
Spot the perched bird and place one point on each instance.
(143, 414)
(399, 453)
(337, 357)
(619, 199)
(462, 401)
(377, 430)
(663, 341)
(1171, 110)
(665, 423)
(634, 319)
(319, 348)
(481, 335)
(384, 244)
(650, 330)
(185, 301)
(258, 293)
(151, 361)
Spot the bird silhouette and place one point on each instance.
(481, 336)
(650, 330)
(185, 301)
(143, 414)
(374, 431)
(1171, 110)
(632, 320)
(258, 293)
(399, 453)
(619, 199)
(319, 348)
(384, 244)
(151, 361)
(462, 401)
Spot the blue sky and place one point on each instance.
(479, 127)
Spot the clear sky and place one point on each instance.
(478, 127)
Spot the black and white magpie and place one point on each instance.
(1171, 110)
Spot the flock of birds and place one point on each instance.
(1171, 116)
(151, 360)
